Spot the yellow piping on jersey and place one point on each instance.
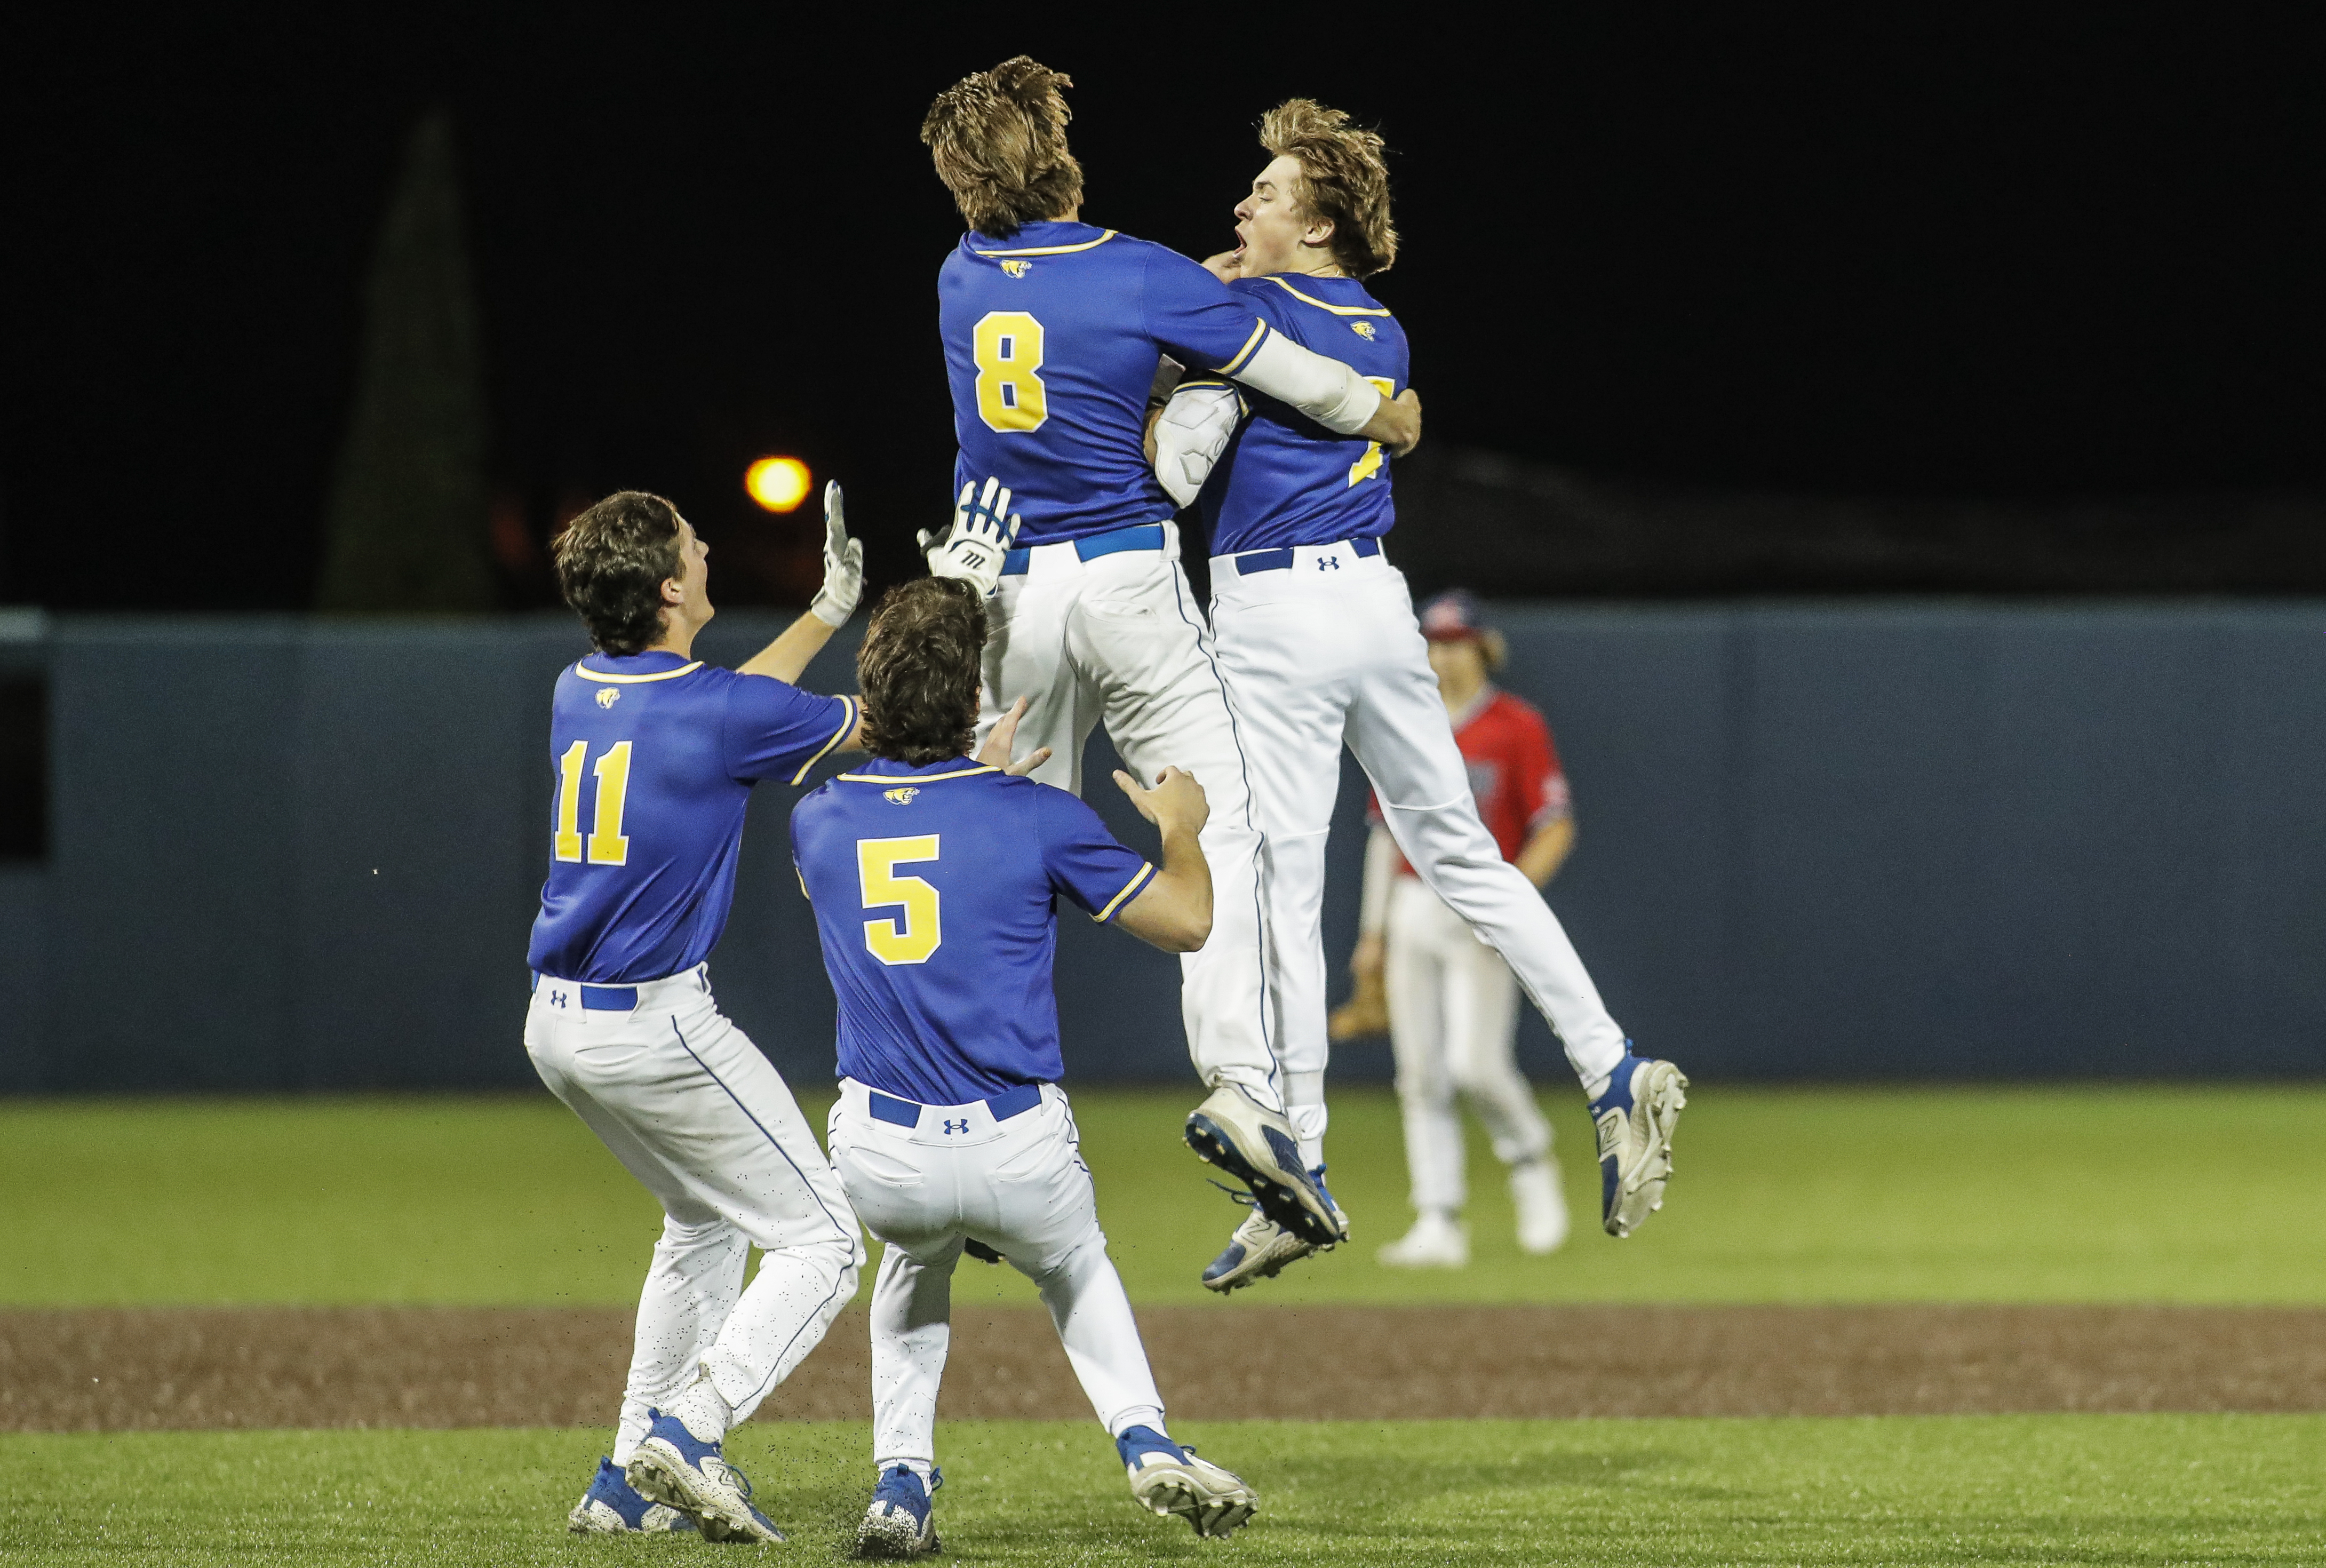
(916, 777)
(1136, 882)
(588, 674)
(1320, 305)
(1249, 345)
(847, 716)
(1060, 249)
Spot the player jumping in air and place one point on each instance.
(656, 753)
(1054, 331)
(1314, 634)
(1447, 1000)
(935, 882)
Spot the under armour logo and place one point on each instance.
(953, 1125)
(557, 998)
(1328, 563)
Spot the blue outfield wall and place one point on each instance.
(1911, 841)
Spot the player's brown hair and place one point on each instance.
(612, 563)
(1343, 180)
(998, 140)
(918, 670)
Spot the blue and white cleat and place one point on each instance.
(680, 1471)
(1261, 1249)
(900, 1523)
(1170, 1479)
(1255, 1145)
(1635, 1118)
(612, 1507)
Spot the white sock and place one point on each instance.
(919, 1467)
(1147, 1416)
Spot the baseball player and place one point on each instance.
(1451, 1002)
(1315, 635)
(935, 882)
(656, 753)
(1053, 333)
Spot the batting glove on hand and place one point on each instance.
(974, 548)
(843, 564)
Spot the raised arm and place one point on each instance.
(1174, 911)
(787, 656)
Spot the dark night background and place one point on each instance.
(1974, 274)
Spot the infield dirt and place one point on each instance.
(121, 1368)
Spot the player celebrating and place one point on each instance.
(655, 754)
(1054, 331)
(1452, 1004)
(935, 882)
(1317, 640)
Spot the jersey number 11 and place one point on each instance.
(607, 845)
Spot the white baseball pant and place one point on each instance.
(685, 1101)
(1326, 651)
(1117, 637)
(1453, 1024)
(1017, 1185)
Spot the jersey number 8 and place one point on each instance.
(607, 844)
(910, 940)
(1008, 346)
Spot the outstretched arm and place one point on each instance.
(1331, 393)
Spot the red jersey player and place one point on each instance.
(1452, 1002)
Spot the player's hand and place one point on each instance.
(1176, 802)
(1227, 266)
(974, 549)
(995, 752)
(843, 564)
(1410, 400)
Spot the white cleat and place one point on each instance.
(1437, 1240)
(1260, 1250)
(1170, 1479)
(1635, 1118)
(1541, 1205)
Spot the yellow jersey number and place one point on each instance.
(1008, 346)
(1368, 465)
(911, 939)
(607, 845)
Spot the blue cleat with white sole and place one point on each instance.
(678, 1469)
(612, 1507)
(1170, 1479)
(1635, 1119)
(1255, 1145)
(900, 1522)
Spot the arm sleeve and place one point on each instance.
(775, 730)
(1381, 870)
(1084, 861)
(1187, 309)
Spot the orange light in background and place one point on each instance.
(777, 483)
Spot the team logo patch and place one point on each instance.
(606, 696)
(903, 797)
(1015, 268)
(1364, 330)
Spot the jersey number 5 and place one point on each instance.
(1368, 465)
(607, 844)
(913, 938)
(1008, 346)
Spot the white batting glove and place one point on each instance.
(974, 548)
(1195, 430)
(843, 564)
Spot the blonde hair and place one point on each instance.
(998, 140)
(1343, 180)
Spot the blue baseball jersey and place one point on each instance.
(936, 899)
(655, 759)
(1051, 342)
(1285, 478)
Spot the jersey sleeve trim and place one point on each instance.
(847, 722)
(586, 673)
(1146, 871)
(1323, 305)
(1062, 249)
(1250, 346)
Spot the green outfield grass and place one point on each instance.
(2189, 1194)
(2023, 1490)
